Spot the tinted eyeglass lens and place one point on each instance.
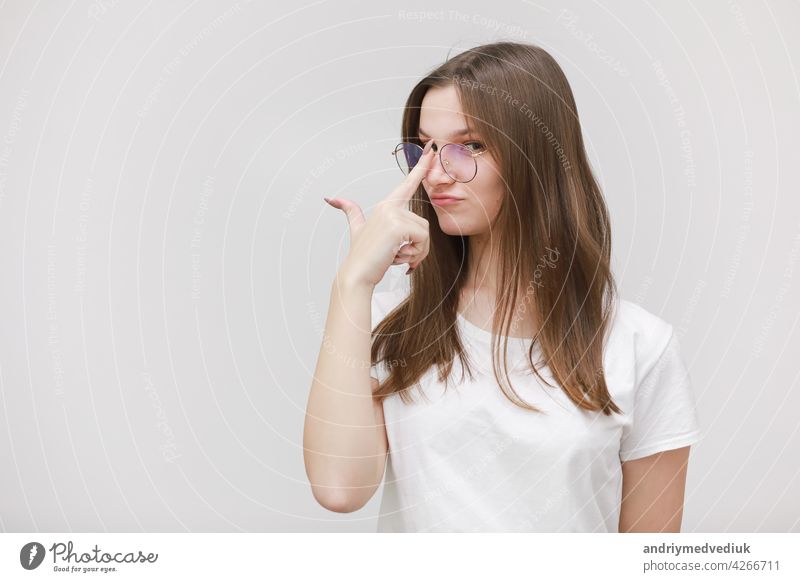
(458, 162)
(407, 156)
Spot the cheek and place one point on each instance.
(488, 197)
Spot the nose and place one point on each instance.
(436, 174)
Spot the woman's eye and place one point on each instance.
(476, 146)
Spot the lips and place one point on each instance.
(444, 200)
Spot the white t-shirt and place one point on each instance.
(467, 459)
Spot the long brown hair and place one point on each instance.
(518, 99)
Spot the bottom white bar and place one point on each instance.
(388, 557)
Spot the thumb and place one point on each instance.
(353, 212)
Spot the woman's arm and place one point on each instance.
(652, 492)
(344, 438)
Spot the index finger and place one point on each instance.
(405, 190)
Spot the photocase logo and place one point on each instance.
(31, 555)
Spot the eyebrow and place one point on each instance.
(464, 131)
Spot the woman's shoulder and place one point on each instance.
(634, 330)
(637, 330)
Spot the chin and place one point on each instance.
(454, 227)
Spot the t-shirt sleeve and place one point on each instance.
(664, 412)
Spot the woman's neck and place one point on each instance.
(479, 295)
(483, 265)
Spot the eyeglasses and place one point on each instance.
(459, 162)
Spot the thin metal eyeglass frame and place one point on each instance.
(473, 155)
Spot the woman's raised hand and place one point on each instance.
(392, 235)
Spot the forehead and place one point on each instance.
(441, 115)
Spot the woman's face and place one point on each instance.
(442, 121)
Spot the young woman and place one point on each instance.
(581, 420)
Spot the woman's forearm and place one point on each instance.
(343, 440)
